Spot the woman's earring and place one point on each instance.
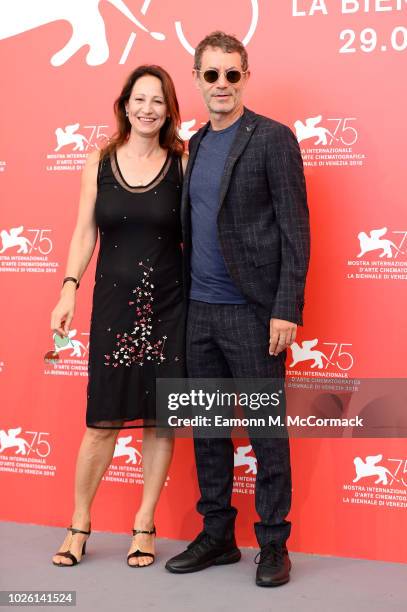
(127, 113)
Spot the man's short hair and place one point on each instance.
(227, 42)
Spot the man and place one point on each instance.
(246, 247)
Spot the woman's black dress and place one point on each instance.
(138, 313)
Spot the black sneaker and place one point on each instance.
(202, 553)
(274, 565)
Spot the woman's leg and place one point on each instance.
(94, 457)
(157, 455)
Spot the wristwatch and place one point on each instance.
(71, 278)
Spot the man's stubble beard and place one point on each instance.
(221, 111)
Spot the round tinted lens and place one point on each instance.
(211, 76)
(233, 76)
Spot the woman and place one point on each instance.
(130, 193)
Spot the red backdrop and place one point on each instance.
(332, 71)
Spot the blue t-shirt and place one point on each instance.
(210, 280)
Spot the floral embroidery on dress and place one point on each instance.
(135, 347)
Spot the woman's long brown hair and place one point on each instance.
(169, 138)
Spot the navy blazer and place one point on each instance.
(263, 218)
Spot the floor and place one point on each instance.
(104, 582)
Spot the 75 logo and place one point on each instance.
(39, 240)
(400, 473)
(339, 130)
(96, 137)
(70, 136)
(338, 355)
(343, 130)
(37, 445)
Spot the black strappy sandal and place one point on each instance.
(140, 553)
(68, 553)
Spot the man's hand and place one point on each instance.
(282, 335)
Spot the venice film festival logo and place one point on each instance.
(25, 454)
(329, 142)
(11, 439)
(337, 359)
(26, 250)
(377, 484)
(381, 255)
(123, 448)
(89, 28)
(127, 463)
(69, 356)
(245, 464)
(73, 143)
(369, 467)
(70, 343)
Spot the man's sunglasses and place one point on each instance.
(212, 75)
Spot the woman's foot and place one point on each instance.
(74, 544)
(142, 542)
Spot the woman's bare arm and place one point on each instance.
(81, 248)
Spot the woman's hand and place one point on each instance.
(63, 313)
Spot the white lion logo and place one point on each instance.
(369, 468)
(12, 239)
(66, 343)
(185, 131)
(245, 40)
(68, 136)
(375, 241)
(242, 457)
(88, 27)
(9, 439)
(304, 353)
(121, 450)
(310, 130)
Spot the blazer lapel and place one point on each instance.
(188, 171)
(244, 133)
